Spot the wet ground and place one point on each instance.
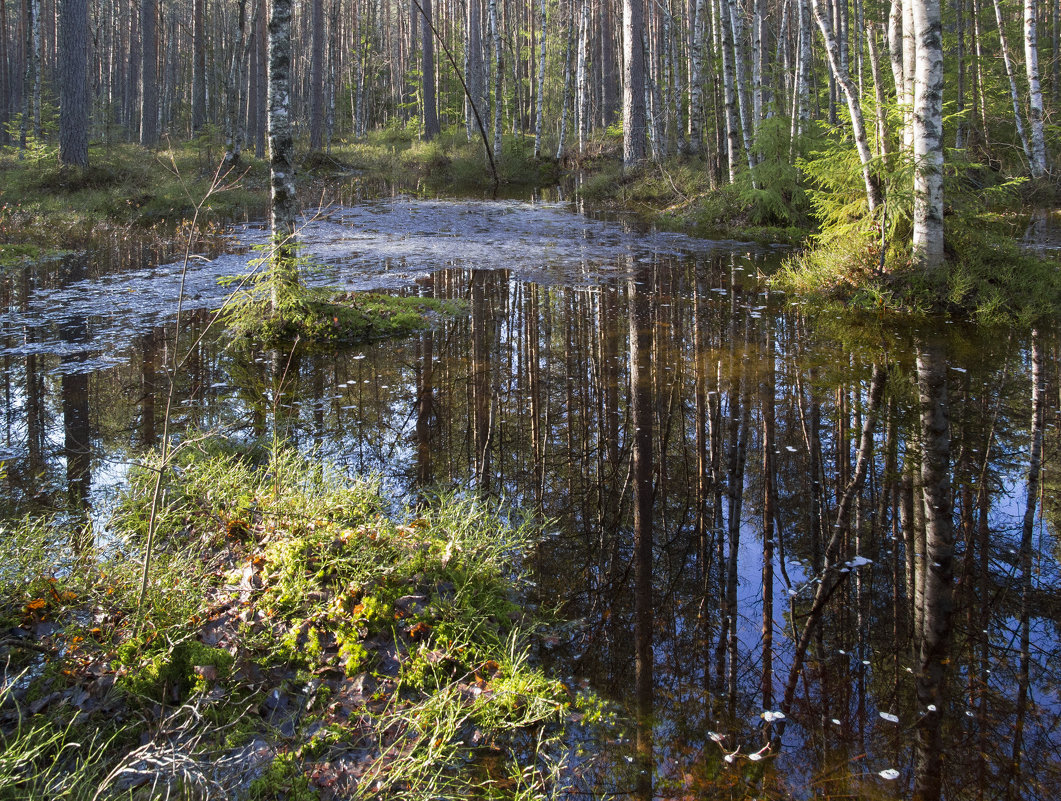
(796, 548)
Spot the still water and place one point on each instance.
(797, 549)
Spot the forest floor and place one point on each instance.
(47, 209)
(298, 638)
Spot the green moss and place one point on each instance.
(283, 780)
(986, 277)
(170, 670)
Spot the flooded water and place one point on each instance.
(797, 550)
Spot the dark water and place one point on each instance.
(717, 517)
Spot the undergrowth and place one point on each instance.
(865, 261)
(301, 636)
(273, 312)
(124, 185)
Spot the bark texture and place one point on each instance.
(928, 135)
(73, 87)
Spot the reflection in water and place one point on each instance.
(750, 509)
(642, 411)
(77, 445)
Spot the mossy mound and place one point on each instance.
(300, 638)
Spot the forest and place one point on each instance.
(490, 399)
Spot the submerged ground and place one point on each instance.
(755, 406)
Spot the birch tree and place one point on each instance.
(928, 135)
(1013, 96)
(581, 79)
(854, 104)
(427, 71)
(495, 35)
(696, 79)
(1037, 152)
(281, 150)
(538, 111)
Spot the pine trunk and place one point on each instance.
(473, 60)
(149, 73)
(198, 65)
(73, 86)
(633, 82)
(538, 111)
(316, 76)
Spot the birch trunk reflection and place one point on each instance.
(642, 402)
(939, 553)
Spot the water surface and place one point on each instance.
(690, 437)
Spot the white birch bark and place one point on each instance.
(757, 64)
(1018, 121)
(581, 80)
(495, 35)
(854, 105)
(281, 148)
(895, 49)
(696, 79)
(928, 135)
(658, 113)
(233, 117)
(729, 91)
(878, 89)
(541, 85)
(741, 77)
(1037, 154)
(909, 68)
(801, 90)
(567, 92)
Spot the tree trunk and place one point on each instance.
(198, 65)
(566, 102)
(495, 35)
(854, 106)
(281, 150)
(149, 73)
(473, 71)
(928, 136)
(316, 76)
(233, 107)
(642, 413)
(73, 86)
(696, 79)
(939, 555)
(1027, 530)
(581, 80)
(1017, 119)
(1037, 153)
(730, 88)
(633, 82)
(538, 111)
(427, 71)
(801, 90)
